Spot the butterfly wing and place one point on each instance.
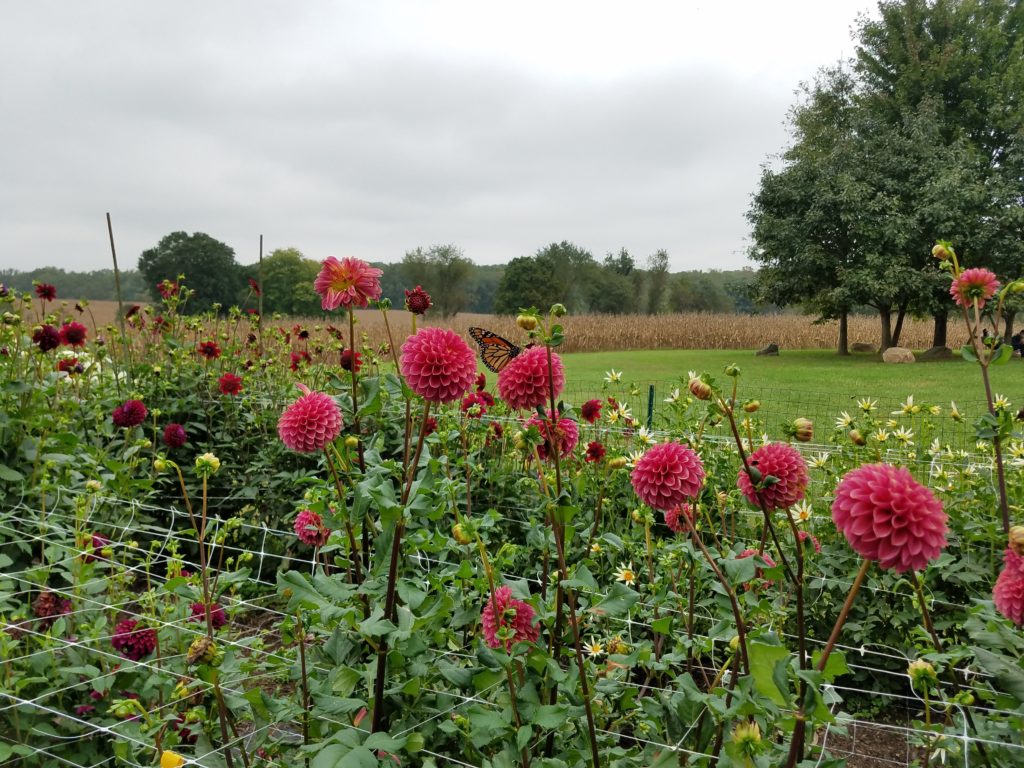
(495, 351)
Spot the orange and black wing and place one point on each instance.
(495, 351)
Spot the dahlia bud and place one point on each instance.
(617, 463)
(351, 442)
(160, 466)
(751, 406)
(460, 535)
(699, 389)
(180, 690)
(207, 465)
(93, 485)
(418, 301)
(747, 738)
(1017, 539)
(734, 644)
(803, 430)
(857, 438)
(558, 310)
(922, 675)
(732, 370)
(941, 252)
(202, 651)
(637, 516)
(526, 322)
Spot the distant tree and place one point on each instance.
(288, 283)
(657, 281)
(443, 272)
(483, 285)
(558, 273)
(621, 263)
(208, 265)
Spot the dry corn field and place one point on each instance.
(601, 333)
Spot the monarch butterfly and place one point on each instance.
(495, 351)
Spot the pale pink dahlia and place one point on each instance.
(667, 475)
(783, 462)
(886, 515)
(511, 618)
(564, 436)
(438, 365)
(310, 529)
(524, 383)
(349, 283)
(311, 422)
(977, 283)
(1008, 593)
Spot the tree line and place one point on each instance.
(560, 272)
(920, 137)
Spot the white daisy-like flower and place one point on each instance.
(845, 421)
(934, 410)
(891, 424)
(867, 404)
(593, 648)
(904, 435)
(633, 458)
(673, 396)
(1001, 403)
(908, 408)
(819, 461)
(613, 376)
(935, 448)
(644, 436)
(624, 412)
(880, 435)
(954, 412)
(625, 574)
(802, 511)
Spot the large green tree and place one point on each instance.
(208, 265)
(443, 272)
(559, 273)
(288, 283)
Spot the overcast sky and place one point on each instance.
(369, 128)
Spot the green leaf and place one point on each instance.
(618, 601)
(10, 475)
(763, 660)
(834, 667)
(967, 353)
(1008, 676)
(359, 757)
(1002, 355)
(376, 625)
(550, 716)
(663, 625)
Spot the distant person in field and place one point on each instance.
(1017, 340)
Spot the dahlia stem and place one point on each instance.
(301, 634)
(379, 720)
(355, 400)
(353, 554)
(865, 566)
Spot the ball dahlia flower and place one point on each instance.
(667, 475)
(564, 436)
(311, 422)
(679, 518)
(217, 616)
(349, 282)
(525, 382)
(46, 338)
(230, 384)
(174, 436)
(310, 529)
(1008, 592)
(977, 283)
(783, 462)
(417, 301)
(886, 515)
(438, 365)
(134, 642)
(131, 413)
(504, 612)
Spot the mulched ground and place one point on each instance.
(868, 745)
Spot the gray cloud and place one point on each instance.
(241, 119)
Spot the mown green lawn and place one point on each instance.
(817, 384)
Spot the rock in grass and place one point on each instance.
(898, 355)
(769, 349)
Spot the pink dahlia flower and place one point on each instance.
(310, 529)
(667, 475)
(349, 283)
(438, 365)
(524, 382)
(886, 515)
(131, 413)
(504, 612)
(804, 536)
(310, 423)
(1008, 593)
(679, 518)
(977, 283)
(564, 436)
(217, 616)
(782, 462)
(132, 641)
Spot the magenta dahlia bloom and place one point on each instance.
(679, 518)
(524, 383)
(667, 475)
(175, 436)
(1008, 592)
(977, 283)
(595, 452)
(310, 529)
(417, 301)
(886, 515)
(73, 334)
(311, 422)
(591, 411)
(349, 283)
(131, 413)
(783, 462)
(134, 642)
(564, 436)
(46, 292)
(217, 616)
(512, 618)
(438, 365)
